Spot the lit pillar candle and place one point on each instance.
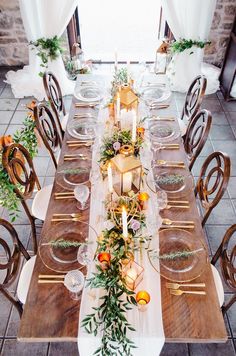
(127, 182)
(118, 107)
(124, 223)
(130, 277)
(142, 299)
(109, 175)
(134, 127)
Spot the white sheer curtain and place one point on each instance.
(190, 20)
(42, 18)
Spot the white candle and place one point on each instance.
(124, 222)
(116, 59)
(127, 182)
(131, 276)
(109, 175)
(118, 107)
(134, 127)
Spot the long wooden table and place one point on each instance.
(51, 315)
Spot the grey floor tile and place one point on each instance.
(231, 313)
(18, 118)
(212, 349)
(3, 129)
(233, 127)
(12, 129)
(231, 116)
(170, 349)
(215, 234)
(219, 118)
(51, 171)
(63, 348)
(7, 93)
(15, 348)
(222, 214)
(218, 132)
(229, 147)
(5, 117)
(207, 149)
(23, 102)
(219, 95)
(8, 104)
(13, 324)
(40, 165)
(48, 180)
(232, 187)
(234, 203)
(228, 105)
(5, 309)
(213, 105)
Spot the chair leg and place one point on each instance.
(205, 217)
(15, 302)
(216, 255)
(226, 307)
(34, 235)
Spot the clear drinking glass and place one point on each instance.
(161, 199)
(81, 193)
(74, 282)
(84, 255)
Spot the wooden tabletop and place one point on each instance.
(51, 315)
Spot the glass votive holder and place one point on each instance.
(104, 259)
(142, 299)
(132, 273)
(74, 282)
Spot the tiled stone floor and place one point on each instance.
(222, 137)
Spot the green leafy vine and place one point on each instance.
(183, 44)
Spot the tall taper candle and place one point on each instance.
(134, 127)
(124, 223)
(109, 175)
(118, 107)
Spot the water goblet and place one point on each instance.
(81, 193)
(74, 282)
(161, 199)
(84, 255)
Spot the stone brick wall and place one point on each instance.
(13, 42)
(220, 30)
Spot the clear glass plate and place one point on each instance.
(153, 94)
(179, 269)
(162, 132)
(159, 181)
(70, 176)
(83, 129)
(65, 259)
(89, 93)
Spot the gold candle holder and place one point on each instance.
(132, 273)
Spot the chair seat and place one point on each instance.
(183, 127)
(24, 280)
(218, 284)
(64, 120)
(41, 201)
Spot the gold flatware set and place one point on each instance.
(158, 118)
(168, 146)
(66, 217)
(76, 156)
(181, 224)
(180, 204)
(85, 105)
(175, 288)
(64, 195)
(76, 143)
(51, 278)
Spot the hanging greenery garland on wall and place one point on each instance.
(183, 44)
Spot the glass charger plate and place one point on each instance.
(73, 173)
(178, 269)
(83, 129)
(155, 94)
(65, 259)
(176, 182)
(88, 93)
(163, 132)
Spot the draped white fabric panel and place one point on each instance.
(42, 18)
(190, 20)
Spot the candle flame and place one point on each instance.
(123, 209)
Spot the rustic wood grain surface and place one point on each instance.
(51, 315)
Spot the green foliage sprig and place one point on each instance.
(173, 255)
(124, 137)
(183, 44)
(120, 78)
(27, 137)
(61, 243)
(110, 315)
(47, 48)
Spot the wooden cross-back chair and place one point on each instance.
(226, 253)
(55, 98)
(193, 101)
(19, 166)
(48, 130)
(213, 181)
(196, 135)
(10, 261)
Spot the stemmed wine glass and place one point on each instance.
(81, 193)
(84, 255)
(161, 199)
(74, 282)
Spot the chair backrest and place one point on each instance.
(227, 255)
(194, 97)
(196, 135)
(54, 95)
(47, 129)
(213, 181)
(10, 255)
(18, 164)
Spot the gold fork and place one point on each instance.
(65, 219)
(162, 162)
(176, 206)
(73, 215)
(166, 221)
(177, 285)
(180, 292)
